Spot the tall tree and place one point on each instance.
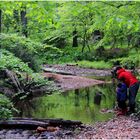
(24, 21)
(75, 38)
(0, 20)
(0, 27)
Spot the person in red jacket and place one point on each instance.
(132, 83)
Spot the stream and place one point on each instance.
(80, 104)
(88, 105)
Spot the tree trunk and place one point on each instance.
(0, 28)
(24, 22)
(75, 37)
(16, 20)
(0, 20)
(84, 41)
(87, 43)
(129, 40)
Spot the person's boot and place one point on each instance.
(124, 111)
(120, 113)
(131, 110)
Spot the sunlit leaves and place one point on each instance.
(46, 18)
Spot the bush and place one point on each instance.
(6, 107)
(9, 61)
(59, 42)
(50, 53)
(23, 48)
(114, 53)
(129, 62)
(30, 52)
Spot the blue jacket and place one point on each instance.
(121, 92)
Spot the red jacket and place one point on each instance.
(127, 77)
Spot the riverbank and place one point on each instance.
(122, 127)
(69, 77)
(76, 70)
(69, 82)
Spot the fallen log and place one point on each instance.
(24, 124)
(51, 70)
(52, 121)
(32, 123)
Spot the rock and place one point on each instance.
(40, 129)
(2, 136)
(2, 132)
(59, 134)
(51, 137)
(17, 136)
(46, 134)
(32, 137)
(52, 129)
(68, 133)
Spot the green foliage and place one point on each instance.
(56, 38)
(9, 61)
(39, 81)
(55, 22)
(30, 52)
(50, 53)
(23, 48)
(114, 53)
(6, 107)
(129, 62)
(94, 64)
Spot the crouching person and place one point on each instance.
(121, 91)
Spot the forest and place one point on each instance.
(56, 57)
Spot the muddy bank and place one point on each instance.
(69, 77)
(68, 82)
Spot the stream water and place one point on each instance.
(80, 104)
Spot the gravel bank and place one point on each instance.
(123, 127)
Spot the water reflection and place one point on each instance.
(76, 92)
(87, 96)
(24, 106)
(80, 104)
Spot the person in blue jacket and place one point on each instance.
(121, 98)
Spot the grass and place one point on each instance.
(95, 64)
